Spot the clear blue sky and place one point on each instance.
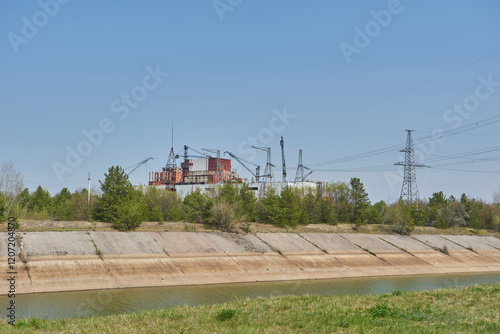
(351, 75)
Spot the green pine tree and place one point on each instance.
(117, 191)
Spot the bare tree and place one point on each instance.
(11, 183)
(454, 215)
(496, 197)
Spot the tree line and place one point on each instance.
(233, 204)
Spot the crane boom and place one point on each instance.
(268, 171)
(192, 149)
(240, 160)
(139, 165)
(305, 176)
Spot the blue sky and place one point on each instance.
(340, 80)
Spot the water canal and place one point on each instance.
(105, 302)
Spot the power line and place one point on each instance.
(466, 154)
(403, 92)
(467, 170)
(467, 127)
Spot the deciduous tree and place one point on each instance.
(398, 216)
(197, 207)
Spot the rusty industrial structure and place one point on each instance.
(206, 168)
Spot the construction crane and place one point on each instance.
(185, 165)
(240, 160)
(282, 143)
(202, 154)
(305, 176)
(268, 171)
(134, 167)
(218, 167)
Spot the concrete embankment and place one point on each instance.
(66, 261)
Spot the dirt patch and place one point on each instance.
(48, 225)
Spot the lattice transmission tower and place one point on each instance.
(170, 168)
(299, 175)
(409, 190)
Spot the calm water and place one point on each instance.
(89, 303)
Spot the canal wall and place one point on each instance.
(68, 261)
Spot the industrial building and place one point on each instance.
(259, 189)
(195, 171)
(206, 172)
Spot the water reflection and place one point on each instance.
(104, 302)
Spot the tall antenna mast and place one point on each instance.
(88, 199)
(409, 190)
(282, 143)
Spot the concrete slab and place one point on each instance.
(187, 244)
(22, 281)
(57, 243)
(129, 273)
(265, 264)
(59, 274)
(316, 262)
(406, 243)
(205, 265)
(289, 243)
(361, 260)
(244, 244)
(493, 241)
(459, 253)
(472, 258)
(4, 246)
(65, 261)
(331, 243)
(471, 242)
(436, 241)
(402, 259)
(436, 258)
(126, 243)
(494, 255)
(371, 242)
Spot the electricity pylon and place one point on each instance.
(409, 190)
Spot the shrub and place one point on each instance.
(225, 314)
(399, 218)
(130, 216)
(223, 216)
(380, 310)
(196, 208)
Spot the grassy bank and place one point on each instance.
(473, 309)
(50, 225)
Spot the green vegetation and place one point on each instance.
(474, 309)
(234, 204)
(399, 217)
(117, 193)
(3, 207)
